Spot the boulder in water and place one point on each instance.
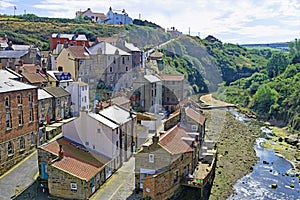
(274, 186)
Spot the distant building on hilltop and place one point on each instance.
(95, 17)
(118, 17)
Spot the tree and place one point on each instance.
(277, 64)
(294, 49)
(263, 100)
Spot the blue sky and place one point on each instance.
(232, 21)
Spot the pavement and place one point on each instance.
(19, 177)
(121, 185)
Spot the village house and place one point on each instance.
(135, 52)
(147, 93)
(173, 90)
(79, 97)
(126, 121)
(117, 17)
(11, 58)
(68, 39)
(19, 121)
(109, 64)
(95, 17)
(45, 113)
(71, 171)
(71, 59)
(59, 79)
(163, 163)
(61, 103)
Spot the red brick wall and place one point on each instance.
(28, 130)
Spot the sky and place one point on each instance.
(231, 21)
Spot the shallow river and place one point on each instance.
(257, 184)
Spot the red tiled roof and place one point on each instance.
(172, 140)
(79, 52)
(196, 116)
(77, 161)
(172, 77)
(34, 77)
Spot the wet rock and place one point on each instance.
(292, 139)
(274, 186)
(266, 162)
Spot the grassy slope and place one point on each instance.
(38, 31)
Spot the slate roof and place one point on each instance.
(107, 49)
(194, 115)
(171, 77)
(116, 114)
(12, 54)
(42, 94)
(69, 36)
(173, 142)
(131, 47)
(152, 78)
(57, 91)
(9, 85)
(77, 160)
(103, 120)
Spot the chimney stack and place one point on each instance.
(60, 153)
(155, 139)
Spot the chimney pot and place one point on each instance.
(60, 153)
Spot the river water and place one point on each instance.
(257, 184)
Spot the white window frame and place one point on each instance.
(194, 127)
(73, 186)
(151, 158)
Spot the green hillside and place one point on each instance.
(207, 64)
(30, 29)
(273, 92)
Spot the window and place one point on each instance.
(123, 60)
(43, 105)
(10, 149)
(110, 69)
(30, 100)
(32, 139)
(31, 115)
(19, 99)
(151, 158)
(22, 143)
(8, 120)
(87, 143)
(82, 88)
(114, 61)
(98, 130)
(176, 177)
(58, 102)
(111, 78)
(7, 102)
(126, 69)
(194, 127)
(85, 99)
(73, 186)
(98, 177)
(20, 116)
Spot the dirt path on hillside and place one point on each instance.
(209, 100)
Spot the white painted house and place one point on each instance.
(79, 97)
(97, 134)
(117, 17)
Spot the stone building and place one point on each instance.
(45, 113)
(173, 90)
(61, 103)
(163, 163)
(71, 171)
(19, 120)
(147, 93)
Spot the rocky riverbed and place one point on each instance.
(236, 156)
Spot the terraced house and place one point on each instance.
(19, 120)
